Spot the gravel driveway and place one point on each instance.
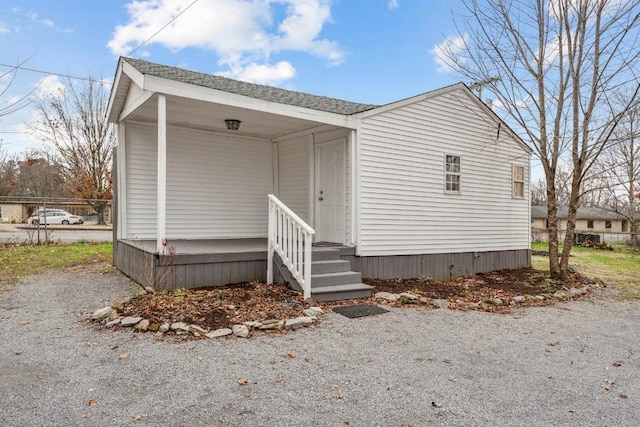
(572, 364)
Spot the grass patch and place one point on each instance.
(620, 267)
(23, 260)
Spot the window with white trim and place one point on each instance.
(518, 182)
(452, 173)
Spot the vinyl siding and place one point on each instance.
(404, 207)
(141, 180)
(217, 185)
(293, 174)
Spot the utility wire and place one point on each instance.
(51, 73)
(165, 26)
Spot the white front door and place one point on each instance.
(330, 191)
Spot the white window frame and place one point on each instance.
(515, 181)
(453, 172)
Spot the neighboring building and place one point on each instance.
(611, 226)
(434, 185)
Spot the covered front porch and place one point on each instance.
(195, 165)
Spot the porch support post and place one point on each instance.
(161, 231)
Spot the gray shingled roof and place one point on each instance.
(582, 213)
(265, 93)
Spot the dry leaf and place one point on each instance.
(623, 396)
(338, 396)
(291, 356)
(607, 388)
(86, 415)
(243, 381)
(272, 361)
(123, 356)
(436, 404)
(617, 364)
(23, 322)
(137, 417)
(92, 403)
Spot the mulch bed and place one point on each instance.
(214, 308)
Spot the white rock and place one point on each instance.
(130, 321)
(577, 291)
(409, 296)
(113, 323)
(313, 311)
(271, 325)
(143, 325)
(150, 290)
(197, 330)
(440, 303)
(101, 314)
(180, 326)
(388, 296)
(298, 322)
(240, 331)
(219, 333)
(519, 299)
(252, 324)
(164, 328)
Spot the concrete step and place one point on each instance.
(332, 279)
(342, 292)
(330, 266)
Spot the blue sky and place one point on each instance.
(370, 51)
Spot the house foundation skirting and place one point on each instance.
(438, 266)
(189, 270)
(219, 269)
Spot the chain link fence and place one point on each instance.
(40, 220)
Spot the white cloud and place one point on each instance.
(49, 86)
(263, 73)
(244, 34)
(4, 29)
(443, 53)
(393, 4)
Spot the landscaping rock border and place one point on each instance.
(109, 318)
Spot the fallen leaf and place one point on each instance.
(123, 356)
(291, 356)
(607, 388)
(617, 364)
(272, 361)
(137, 417)
(86, 415)
(338, 396)
(436, 404)
(92, 403)
(243, 381)
(623, 396)
(23, 322)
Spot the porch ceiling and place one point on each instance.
(209, 116)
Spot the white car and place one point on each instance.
(55, 217)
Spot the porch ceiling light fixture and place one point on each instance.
(232, 124)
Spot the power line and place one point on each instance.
(18, 67)
(165, 26)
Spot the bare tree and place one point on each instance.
(74, 122)
(10, 104)
(551, 66)
(618, 170)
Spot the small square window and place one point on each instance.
(590, 224)
(452, 173)
(607, 224)
(518, 182)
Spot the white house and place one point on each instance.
(434, 185)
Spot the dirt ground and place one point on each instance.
(215, 308)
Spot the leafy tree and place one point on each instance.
(552, 66)
(73, 121)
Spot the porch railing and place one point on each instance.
(291, 238)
